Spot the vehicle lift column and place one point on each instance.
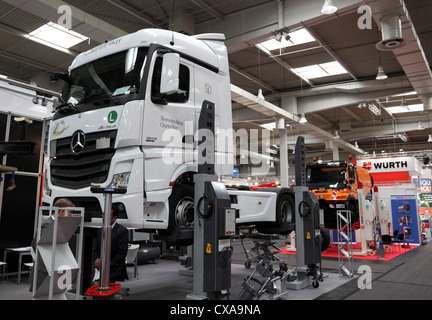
(105, 289)
(308, 233)
(214, 221)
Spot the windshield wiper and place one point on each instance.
(67, 108)
(101, 84)
(112, 98)
(99, 96)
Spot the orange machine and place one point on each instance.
(335, 185)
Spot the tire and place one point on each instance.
(285, 211)
(325, 242)
(181, 208)
(354, 212)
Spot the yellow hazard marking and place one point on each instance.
(308, 236)
(209, 248)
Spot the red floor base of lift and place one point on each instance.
(94, 292)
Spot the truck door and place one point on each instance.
(165, 119)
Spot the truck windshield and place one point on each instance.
(116, 75)
(326, 177)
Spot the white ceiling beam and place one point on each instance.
(251, 78)
(352, 114)
(214, 13)
(132, 11)
(249, 100)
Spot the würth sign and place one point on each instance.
(391, 164)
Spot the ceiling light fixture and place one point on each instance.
(411, 108)
(56, 36)
(362, 105)
(320, 70)
(430, 138)
(336, 136)
(286, 35)
(403, 137)
(374, 109)
(381, 74)
(260, 97)
(356, 144)
(420, 127)
(328, 7)
(403, 103)
(303, 119)
(289, 39)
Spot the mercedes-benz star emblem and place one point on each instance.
(77, 142)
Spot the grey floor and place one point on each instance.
(407, 277)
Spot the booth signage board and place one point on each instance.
(405, 217)
(396, 164)
(423, 185)
(235, 172)
(424, 196)
(425, 203)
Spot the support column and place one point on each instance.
(288, 104)
(335, 152)
(280, 126)
(427, 102)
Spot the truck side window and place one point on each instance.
(181, 96)
(351, 175)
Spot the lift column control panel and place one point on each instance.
(219, 226)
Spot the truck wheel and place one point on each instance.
(325, 239)
(285, 210)
(181, 207)
(354, 212)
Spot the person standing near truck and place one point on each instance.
(119, 248)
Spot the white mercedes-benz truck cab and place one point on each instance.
(128, 118)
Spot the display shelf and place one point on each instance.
(53, 251)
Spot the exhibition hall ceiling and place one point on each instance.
(326, 69)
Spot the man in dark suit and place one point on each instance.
(119, 248)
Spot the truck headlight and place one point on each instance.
(120, 180)
(46, 190)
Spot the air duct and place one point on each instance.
(427, 102)
(391, 31)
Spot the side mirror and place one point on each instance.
(61, 76)
(170, 73)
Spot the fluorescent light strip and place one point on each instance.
(320, 70)
(56, 36)
(410, 108)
